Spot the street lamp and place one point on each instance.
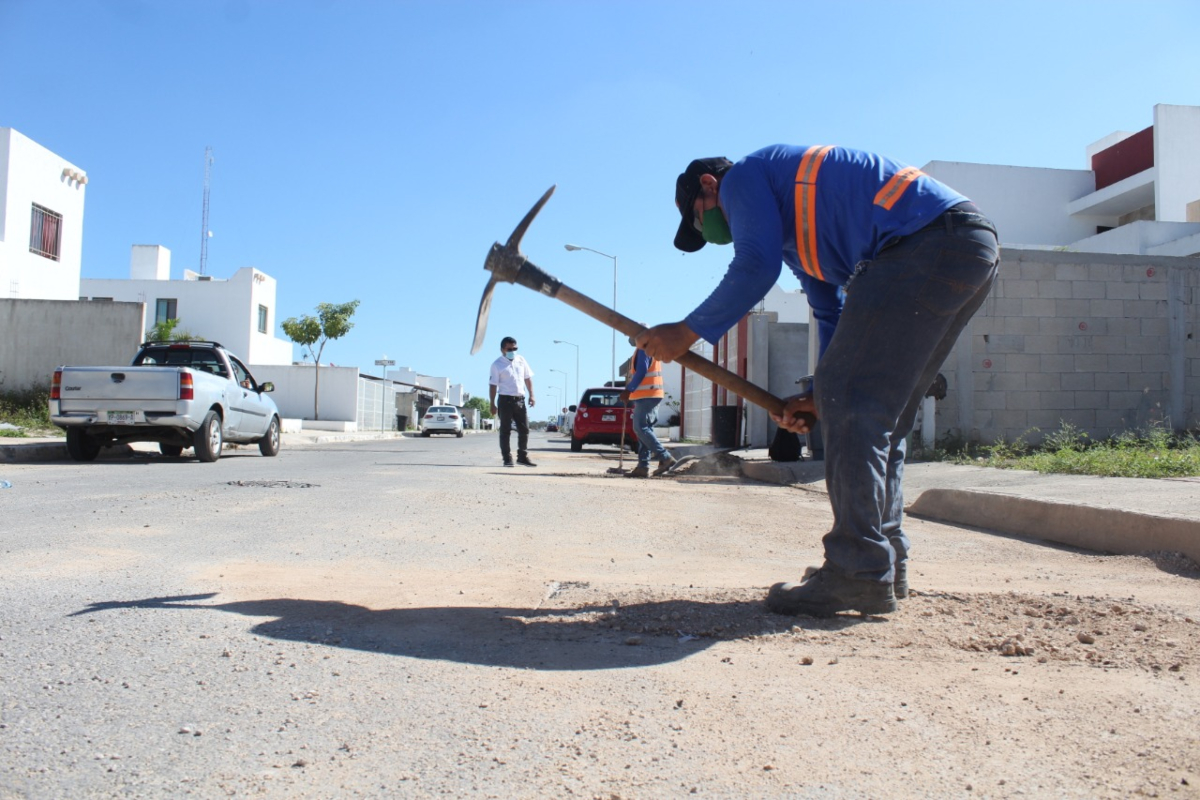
(565, 378)
(574, 247)
(553, 392)
(576, 395)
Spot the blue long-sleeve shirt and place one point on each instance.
(641, 363)
(758, 197)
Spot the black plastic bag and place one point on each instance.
(785, 447)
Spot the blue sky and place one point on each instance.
(376, 150)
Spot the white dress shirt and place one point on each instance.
(509, 376)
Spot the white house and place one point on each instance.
(240, 311)
(41, 221)
(1139, 193)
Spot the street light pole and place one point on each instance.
(576, 395)
(574, 247)
(565, 378)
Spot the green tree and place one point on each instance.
(165, 331)
(481, 403)
(332, 322)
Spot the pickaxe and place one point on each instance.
(507, 263)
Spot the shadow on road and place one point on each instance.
(581, 638)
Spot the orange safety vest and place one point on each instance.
(806, 203)
(652, 383)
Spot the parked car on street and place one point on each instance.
(442, 419)
(180, 394)
(599, 418)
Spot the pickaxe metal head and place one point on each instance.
(507, 263)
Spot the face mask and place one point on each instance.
(510, 354)
(716, 229)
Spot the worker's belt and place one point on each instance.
(963, 215)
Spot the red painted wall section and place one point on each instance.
(1127, 157)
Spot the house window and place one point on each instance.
(262, 319)
(45, 232)
(164, 309)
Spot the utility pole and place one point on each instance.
(205, 233)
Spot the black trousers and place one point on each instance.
(512, 409)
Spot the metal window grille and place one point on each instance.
(262, 319)
(45, 232)
(165, 308)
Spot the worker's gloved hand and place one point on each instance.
(667, 342)
(624, 398)
(799, 414)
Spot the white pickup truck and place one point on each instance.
(179, 394)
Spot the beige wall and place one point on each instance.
(36, 336)
(1106, 343)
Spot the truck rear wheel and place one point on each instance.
(209, 438)
(82, 446)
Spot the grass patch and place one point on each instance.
(29, 410)
(1152, 453)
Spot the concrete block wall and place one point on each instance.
(37, 336)
(1104, 342)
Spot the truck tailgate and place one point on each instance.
(88, 389)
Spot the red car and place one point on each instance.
(599, 417)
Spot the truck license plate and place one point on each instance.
(609, 418)
(121, 417)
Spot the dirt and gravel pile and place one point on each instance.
(1093, 631)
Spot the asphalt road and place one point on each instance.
(409, 618)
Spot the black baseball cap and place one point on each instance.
(687, 189)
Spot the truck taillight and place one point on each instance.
(56, 385)
(187, 390)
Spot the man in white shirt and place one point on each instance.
(511, 377)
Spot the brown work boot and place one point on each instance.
(640, 471)
(665, 466)
(900, 582)
(827, 591)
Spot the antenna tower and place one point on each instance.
(204, 234)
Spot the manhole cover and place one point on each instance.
(275, 484)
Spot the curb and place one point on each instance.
(784, 473)
(1109, 530)
(1100, 529)
(52, 451)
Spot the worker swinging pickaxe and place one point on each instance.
(507, 263)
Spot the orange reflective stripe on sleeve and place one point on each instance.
(891, 191)
(806, 209)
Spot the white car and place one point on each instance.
(442, 419)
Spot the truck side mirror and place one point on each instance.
(266, 387)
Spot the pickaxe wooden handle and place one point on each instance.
(507, 263)
(693, 361)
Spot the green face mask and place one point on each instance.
(716, 229)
